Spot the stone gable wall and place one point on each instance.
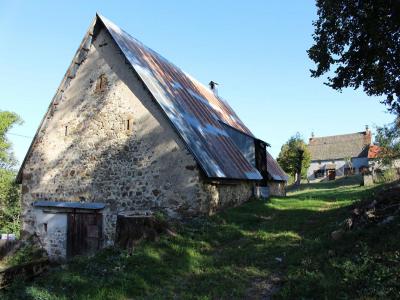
(86, 152)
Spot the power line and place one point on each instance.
(20, 135)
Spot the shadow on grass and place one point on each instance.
(218, 257)
(354, 180)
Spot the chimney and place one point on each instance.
(311, 138)
(367, 136)
(213, 87)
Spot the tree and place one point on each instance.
(388, 138)
(360, 40)
(7, 120)
(295, 158)
(349, 164)
(9, 190)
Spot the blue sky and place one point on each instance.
(256, 50)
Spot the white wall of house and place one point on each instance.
(340, 164)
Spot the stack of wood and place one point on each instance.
(382, 209)
(134, 227)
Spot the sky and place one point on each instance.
(255, 50)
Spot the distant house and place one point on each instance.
(129, 132)
(339, 155)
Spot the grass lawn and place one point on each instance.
(238, 253)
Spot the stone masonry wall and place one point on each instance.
(107, 141)
(277, 188)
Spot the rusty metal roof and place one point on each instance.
(195, 112)
(275, 170)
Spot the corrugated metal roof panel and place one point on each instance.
(193, 109)
(275, 170)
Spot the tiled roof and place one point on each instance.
(195, 112)
(340, 146)
(373, 151)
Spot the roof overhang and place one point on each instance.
(70, 205)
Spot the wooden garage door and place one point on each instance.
(84, 233)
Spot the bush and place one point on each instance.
(387, 176)
(9, 203)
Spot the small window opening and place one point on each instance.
(66, 130)
(45, 227)
(129, 125)
(101, 83)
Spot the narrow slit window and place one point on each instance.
(101, 83)
(129, 124)
(66, 130)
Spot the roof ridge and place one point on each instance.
(339, 135)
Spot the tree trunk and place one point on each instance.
(297, 179)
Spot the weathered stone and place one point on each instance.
(337, 234)
(154, 170)
(367, 180)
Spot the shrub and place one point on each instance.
(387, 176)
(9, 202)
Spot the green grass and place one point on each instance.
(222, 256)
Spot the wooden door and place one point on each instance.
(331, 174)
(84, 233)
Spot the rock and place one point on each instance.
(372, 204)
(369, 214)
(337, 234)
(387, 220)
(367, 180)
(348, 223)
(331, 253)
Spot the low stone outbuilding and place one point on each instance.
(129, 132)
(277, 178)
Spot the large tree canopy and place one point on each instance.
(295, 158)
(360, 41)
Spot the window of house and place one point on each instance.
(349, 171)
(319, 173)
(363, 170)
(129, 124)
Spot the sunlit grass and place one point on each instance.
(221, 256)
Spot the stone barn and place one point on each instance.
(129, 132)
